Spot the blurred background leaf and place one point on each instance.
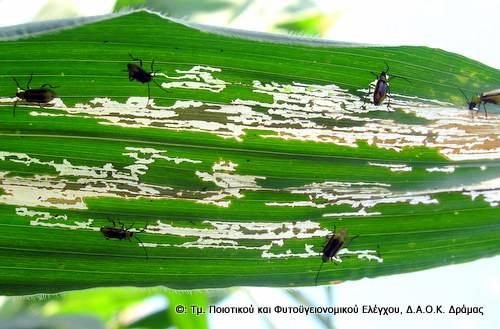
(124, 4)
(56, 322)
(180, 8)
(112, 308)
(316, 24)
(54, 9)
(297, 17)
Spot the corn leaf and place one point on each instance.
(248, 155)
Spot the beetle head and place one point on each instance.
(474, 101)
(20, 94)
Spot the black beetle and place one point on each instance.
(335, 242)
(137, 73)
(382, 89)
(42, 95)
(122, 233)
(492, 97)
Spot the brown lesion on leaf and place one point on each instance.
(60, 201)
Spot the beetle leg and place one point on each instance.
(347, 244)
(388, 96)
(485, 112)
(152, 64)
(143, 247)
(149, 95)
(128, 228)
(143, 229)
(135, 59)
(378, 253)
(367, 96)
(317, 275)
(14, 111)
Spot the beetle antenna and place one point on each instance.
(386, 67)
(149, 94)
(17, 83)
(465, 96)
(317, 275)
(375, 74)
(142, 245)
(400, 77)
(29, 82)
(354, 237)
(112, 221)
(49, 85)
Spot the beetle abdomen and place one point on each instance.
(142, 76)
(380, 92)
(137, 73)
(492, 96)
(41, 95)
(114, 233)
(332, 247)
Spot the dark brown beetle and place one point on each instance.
(382, 89)
(121, 233)
(335, 242)
(137, 73)
(42, 95)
